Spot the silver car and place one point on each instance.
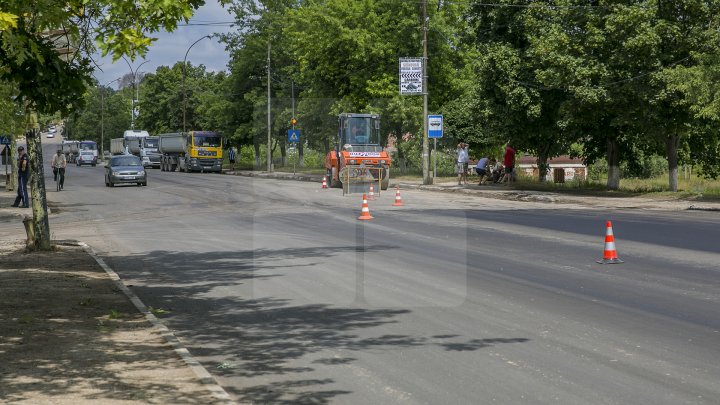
(87, 157)
(127, 169)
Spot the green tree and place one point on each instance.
(47, 83)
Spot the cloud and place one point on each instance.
(171, 47)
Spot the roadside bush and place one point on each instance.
(313, 158)
(645, 167)
(598, 170)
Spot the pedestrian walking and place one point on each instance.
(23, 174)
(462, 163)
(509, 163)
(231, 156)
(58, 164)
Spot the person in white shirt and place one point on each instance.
(59, 163)
(462, 163)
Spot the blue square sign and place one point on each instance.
(293, 135)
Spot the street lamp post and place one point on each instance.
(183, 81)
(136, 98)
(102, 118)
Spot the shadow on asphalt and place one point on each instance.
(241, 338)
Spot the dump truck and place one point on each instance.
(195, 151)
(131, 143)
(149, 152)
(358, 144)
(71, 150)
(117, 146)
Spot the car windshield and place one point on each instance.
(206, 140)
(86, 152)
(88, 146)
(126, 161)
(151, 143)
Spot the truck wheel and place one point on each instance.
(385, 183)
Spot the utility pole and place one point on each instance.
(183, 81)
(102, 118)
(427, 179)
(135, 97)
(269, 118)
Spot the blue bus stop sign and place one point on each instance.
(435, 126)
(4, 140)
(293, 135)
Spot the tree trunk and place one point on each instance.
(613, 160)
(256, 146)
(301, 155)
(542, 165)
(671, 147)
(41, 226)
(13, 181)
(283, 153)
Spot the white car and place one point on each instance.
(87, 157)
(51, 135)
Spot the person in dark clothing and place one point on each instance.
(23, 174)
(231, 156)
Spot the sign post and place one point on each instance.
(5, 142)
(435, 131)
(293, 138)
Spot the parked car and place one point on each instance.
(87, 157)
(51, 135)
(127, 169)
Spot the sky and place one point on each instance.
(171, 47)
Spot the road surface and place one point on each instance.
(286, 298)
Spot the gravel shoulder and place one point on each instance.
(68, 334)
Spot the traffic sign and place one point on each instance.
(293, 135)
(4, 140)
(411, 76)
(435, 126)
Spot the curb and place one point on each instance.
(509, 195)
(203, 375)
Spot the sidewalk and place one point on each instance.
(69, 335)
(503, 192)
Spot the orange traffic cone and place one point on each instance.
(365, 212)
(371, 196)
(610, 254)
(324, 185)
(398, 199)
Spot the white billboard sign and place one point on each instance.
(411, 76)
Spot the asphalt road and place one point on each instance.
(286, 298)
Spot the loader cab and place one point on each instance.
(362, 130)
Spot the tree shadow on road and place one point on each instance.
(265, 349)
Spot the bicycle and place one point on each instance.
(59, 172)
